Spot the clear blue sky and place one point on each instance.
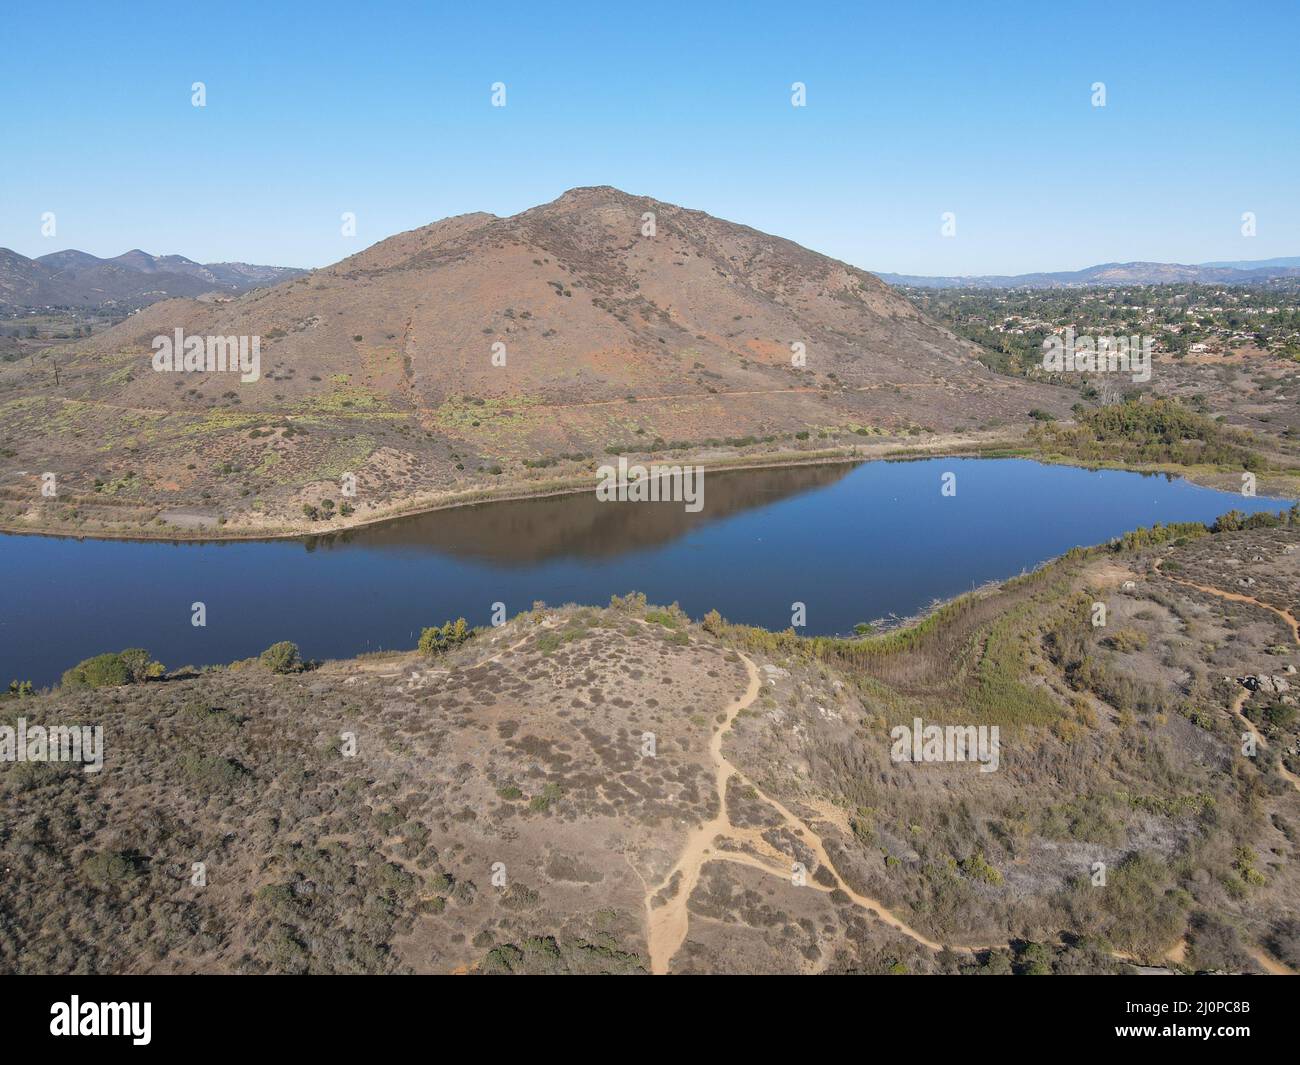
(913, 109)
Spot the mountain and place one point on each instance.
(589, 311)
(676, 343)
(1140, 273)
(1285, 262)
(127, 282)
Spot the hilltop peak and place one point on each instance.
(598, 193)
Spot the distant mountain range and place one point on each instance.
(1242, 272)
(75, 279)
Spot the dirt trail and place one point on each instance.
(1237, 704)
(1268, 964)
(714, 396)
(1271, 965)
(117, 408)
(667, 924)
(578, 405)
(416, 677)
(1245, 693)
(1292, 622)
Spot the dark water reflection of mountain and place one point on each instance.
(850, 543)
(527, 531)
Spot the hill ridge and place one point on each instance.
(480, 347)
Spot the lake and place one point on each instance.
(852, 543)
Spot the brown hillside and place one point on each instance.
(613, 340)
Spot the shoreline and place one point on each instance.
(883, 628)
(993, 449)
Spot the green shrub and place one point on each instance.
(1157, 430)
(282, 657)
(440, 638)
(551, 793)
(666, 618)
(978, 868)
(139, 666)
(1279, 715)
(212, 772)
(132, 666)
(108, 867)
(1126, 641)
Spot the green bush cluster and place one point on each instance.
(132, 666)
(282, 657)
(1157, 430)
(441, 638)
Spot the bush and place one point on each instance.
(1279, 715)
(282, 657)
(139, 666)
(212, 772)
(977, 867)
(1158, 430)
(1126, 641)
(102, 671)
(109, 867)
(662, 617)
(132, 666)
(548, 642)
(437, 639)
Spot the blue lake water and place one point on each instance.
(853, 543)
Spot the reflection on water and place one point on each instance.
(852, 543)
(525, 531)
